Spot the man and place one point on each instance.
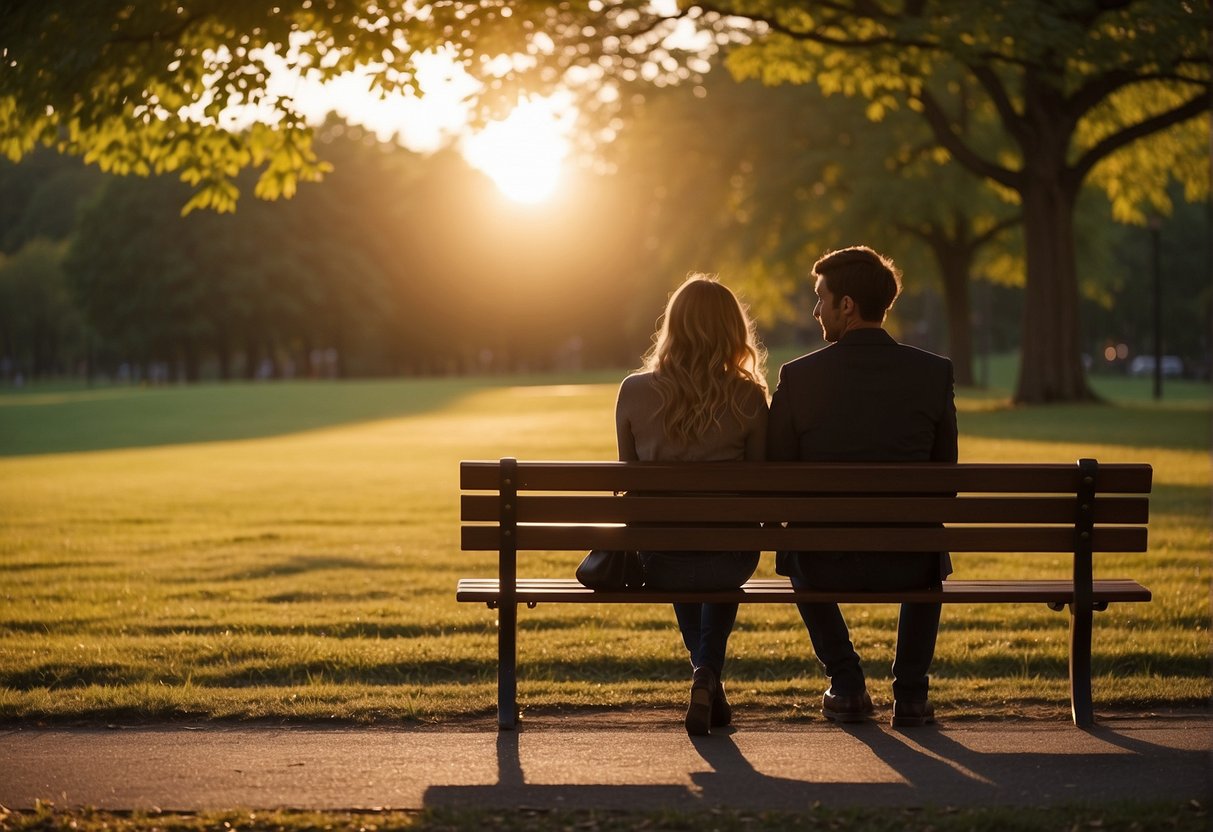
(865, 398)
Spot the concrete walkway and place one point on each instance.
(587, 761)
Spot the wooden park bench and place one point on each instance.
(512, 506)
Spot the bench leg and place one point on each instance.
(507, 666)
(1080, 666)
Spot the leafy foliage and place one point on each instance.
(1072, 86)
(161, 87)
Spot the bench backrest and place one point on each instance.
(1079, 508)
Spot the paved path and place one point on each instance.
(587, 762)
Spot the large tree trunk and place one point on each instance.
(1050, 368)
(955, 263)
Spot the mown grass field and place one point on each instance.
(290, 551)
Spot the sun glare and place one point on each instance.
(524, 153)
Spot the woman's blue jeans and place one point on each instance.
(705, 627)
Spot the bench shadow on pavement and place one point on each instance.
(928, 766)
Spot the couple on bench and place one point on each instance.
(702, 396)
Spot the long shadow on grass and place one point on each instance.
(88, 627)
(258, 670)
(93, 420)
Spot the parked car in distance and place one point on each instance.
(1143, 365)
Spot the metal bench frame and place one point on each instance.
(1031, 508)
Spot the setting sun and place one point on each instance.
(524, 153)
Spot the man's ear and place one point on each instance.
(847, 305)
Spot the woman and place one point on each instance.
(700, 396)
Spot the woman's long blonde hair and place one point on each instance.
(704, 351)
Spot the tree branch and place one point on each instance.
(1097, 89)
(998, 227)
(1191, 108)
(927, 232)
(948, 138)
(1011, 119)
(172, 34)
(775, 25)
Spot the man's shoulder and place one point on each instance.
(924, 357)
(808, 361)
(929, 372)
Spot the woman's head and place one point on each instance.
(705, 346)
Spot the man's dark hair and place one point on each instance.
(870, 279)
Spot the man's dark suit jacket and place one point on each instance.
(865, 398)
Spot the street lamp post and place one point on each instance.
(1155, 252)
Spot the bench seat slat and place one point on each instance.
(778, 590)
(963, 539)
(859, 478)
(726, 509)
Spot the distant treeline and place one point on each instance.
(403, 264)
(396, 264)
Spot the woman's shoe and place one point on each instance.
(722, 712)
(699, 712)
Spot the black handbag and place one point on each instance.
(603, 569)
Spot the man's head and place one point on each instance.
(855, 288)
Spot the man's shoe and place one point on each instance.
(854, 708)
(912, 714)
(722, 712)
(699, 711)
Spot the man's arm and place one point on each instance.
(783, 445)
(945, 448)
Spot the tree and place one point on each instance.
(279, 280)
(185, 87)
(1072, 84)
(40, 331)
(143, 87)
(41, 197)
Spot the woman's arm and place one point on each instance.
(624, 437)
(756, 438)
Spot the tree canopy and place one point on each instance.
(185, 87)
(1071, 85)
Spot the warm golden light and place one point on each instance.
(524, 153)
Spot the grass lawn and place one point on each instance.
(290, 551)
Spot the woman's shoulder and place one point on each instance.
(637, 382)
(752, 393)
(638, 385)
